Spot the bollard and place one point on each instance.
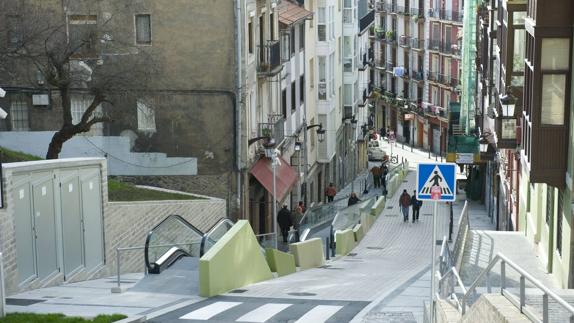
(327, 248)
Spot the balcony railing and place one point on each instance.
(402, 10)
(454, 82)
(390, 66)
(434, 44)
(276, 130)
(380, 7)
(404, 41)
(392, 7)
(269, 62)
(433, 13)
(417, 43)
(417, 75)
(432, 76)
(451, 15)
(417, 12)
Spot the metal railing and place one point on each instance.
(269, 61)
(520, 301)
(462, 233)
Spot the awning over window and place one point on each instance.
(290, 13)
(286, 176)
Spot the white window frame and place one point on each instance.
(19, 107)
(136, 29)
(146, 116)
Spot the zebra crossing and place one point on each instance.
(252, 309)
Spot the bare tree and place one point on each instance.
(87, 54)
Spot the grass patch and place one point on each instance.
(57, 318)
(125, 192)
(12, 156)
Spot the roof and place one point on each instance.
(291, 13)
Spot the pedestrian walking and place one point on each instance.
(330, 192)
(284, 221)
(353, 199)
(416, 204)
(376, 171)
(404, 203)
(384, 172)
(296, 217)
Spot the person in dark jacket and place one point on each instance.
(284, 221)
(416, 204)
(353, 199)
(404, 203)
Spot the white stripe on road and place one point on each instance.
(263, 313)
(209, 311)
(319, 314)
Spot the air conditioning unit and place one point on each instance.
(40, 100)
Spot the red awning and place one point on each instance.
(286, 176)
(291, 13)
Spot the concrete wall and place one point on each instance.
(494, 308)
(121, 160)
(126, 224)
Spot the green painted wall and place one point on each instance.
(234, 261)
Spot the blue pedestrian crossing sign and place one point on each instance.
(436, 182)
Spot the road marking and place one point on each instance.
(263, 313)
(209, 311)
(318, 314)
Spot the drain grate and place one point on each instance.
(238, 291)
(23, 301)
(405, 181)
(352, 254)
(390, 207)
(49, 297)
(375, 248)
(302, 294)
(391, 215)
(427, 214)
(391, 317)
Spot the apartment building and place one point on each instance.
(524, 64)
(418, 80)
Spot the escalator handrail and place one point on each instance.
(206, 235)
(150, 233)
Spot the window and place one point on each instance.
(559, 217)
(284, 103)
(553, 92)
(19, 114)
(143, 29)
(292, 32)
(272, 26)
(146, 117)
(15, 32)
(302, 37)
(348, 94)
(311, 72)
(321, 25)
(519, 50)
(312, 134)
(302, 89)
(322, 77)
(332, 73)
(83, 34)
(555, 54)
(549, 203)
(508, 128)
(79, 105)
(285, 46)
(250, 35)
(332, 22)
(293, 97)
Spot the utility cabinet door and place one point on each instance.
(436, 140)
(25, 249)
(93, 219)
(45, 225)
(71, 222)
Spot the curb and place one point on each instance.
(133, 319)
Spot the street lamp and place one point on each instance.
(349, 120)
(320, 138)
(271, 153)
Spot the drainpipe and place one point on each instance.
(238, 103)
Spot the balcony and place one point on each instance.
(434, 44)
(451, 15)
(275, 130)
(380, 7)
(433, 13)
(419, 12)
(380, 33)
(269, 59)
(390, 37)
(433, 76)
(417, 44)
(390, 66)
(402, 10)
(417, 75)
(405, 41)
(391, 7)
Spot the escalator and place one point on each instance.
(174, 238)
(170, 240)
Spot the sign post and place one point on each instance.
(435, 182)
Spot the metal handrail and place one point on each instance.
(522, 301)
